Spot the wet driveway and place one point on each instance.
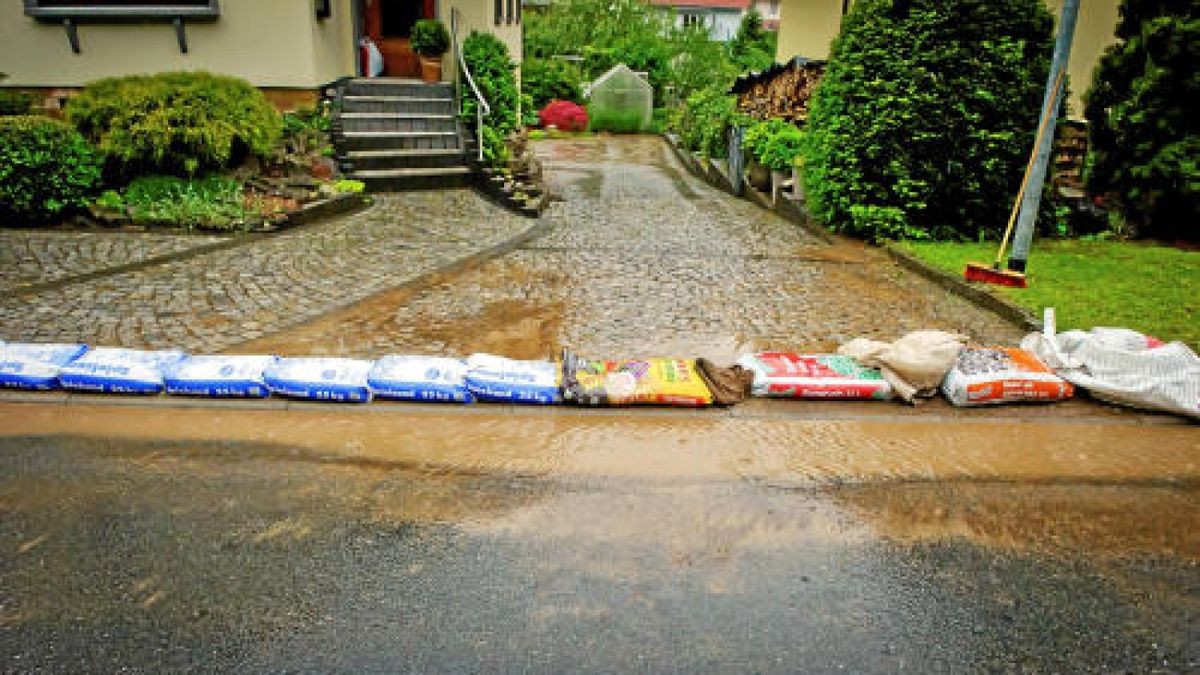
(773, 537)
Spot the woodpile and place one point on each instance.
(783, 94)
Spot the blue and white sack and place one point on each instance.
(115, 370)
(219, 376)
(35, 366)
(421, 378)
(495, 378)
(321, 379)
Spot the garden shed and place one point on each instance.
(620, 100)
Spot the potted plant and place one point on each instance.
(430, 40)
(779, 154)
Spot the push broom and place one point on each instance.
(993, 274)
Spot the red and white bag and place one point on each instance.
(832, 376)
(987, 375)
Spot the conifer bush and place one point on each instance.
(924, 119)
(1145, 131)
(177, 123)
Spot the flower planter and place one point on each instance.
(431, 68)
(758, 175)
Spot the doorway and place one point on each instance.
(389, 23)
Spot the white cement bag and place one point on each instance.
(321, 379)
(1124, 367)
(219, 376)
(495, 378)
(420, 378)
(35, 366)
(115, 370)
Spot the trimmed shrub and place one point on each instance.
(1145, 135)
(774, 142)
(922, 124)
(495, 74)
(564, 115)
(46, 169)
(429, 38)
(177, 123)
(546, 80)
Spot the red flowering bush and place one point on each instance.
(564, 116)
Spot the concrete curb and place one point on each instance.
(1018, 316)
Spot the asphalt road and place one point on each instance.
(210, 556)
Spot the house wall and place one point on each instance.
(807, 27)
(271, 43)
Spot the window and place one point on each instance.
(693, 20)
(134, 9)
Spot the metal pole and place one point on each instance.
(1050, 105)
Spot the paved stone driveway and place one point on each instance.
(641, 258)
(217, 299)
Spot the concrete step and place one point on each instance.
(351, 141)
(427, 178)
(397, 104)
(402, 159)
(394, 86)
(389, 121)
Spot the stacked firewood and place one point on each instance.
(785, 95)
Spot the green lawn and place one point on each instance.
(1150, 288)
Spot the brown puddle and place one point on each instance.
(565, 442)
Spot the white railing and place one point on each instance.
(482, 108)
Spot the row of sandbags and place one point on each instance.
(1113, 364)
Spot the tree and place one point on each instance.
(1145, 133)
(922, 123)
(752, 47)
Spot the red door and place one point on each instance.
(389, 23)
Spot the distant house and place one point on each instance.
(807, 27)
(720, 17)
(288, 48)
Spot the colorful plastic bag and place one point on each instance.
(989, 375)
(830, 376)
(655, 381)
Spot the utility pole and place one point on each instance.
(1050, 105)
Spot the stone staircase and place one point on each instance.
(397, 134)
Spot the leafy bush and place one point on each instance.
(46, 168)
(564, 115)
(927, 107)
(429, 38)
(1145, 136)
(617, 121)
(752, 47)
(703, 122)
(211, 202)
(13, 102)
(546, 80)
(774, 142)
(178, 123)
(348, 186)
(494, 73)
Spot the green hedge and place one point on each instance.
(46, 169)
(1145, 135)
(545, 80)
(495, 74)
(177, 123)
(924, 119)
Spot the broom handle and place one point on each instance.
(1012, 217)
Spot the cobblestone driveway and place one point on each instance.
(643, 259)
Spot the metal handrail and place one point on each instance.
(483, 108)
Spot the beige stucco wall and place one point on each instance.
(807, 27)
(479, 15)
(271, 43)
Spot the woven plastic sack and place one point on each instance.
(655, 381)
(421, 378)
(320, 379)
(988, 375)
(115, 370)
(495, 378)
(35, 366)
(830, 376)
(219, 376)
